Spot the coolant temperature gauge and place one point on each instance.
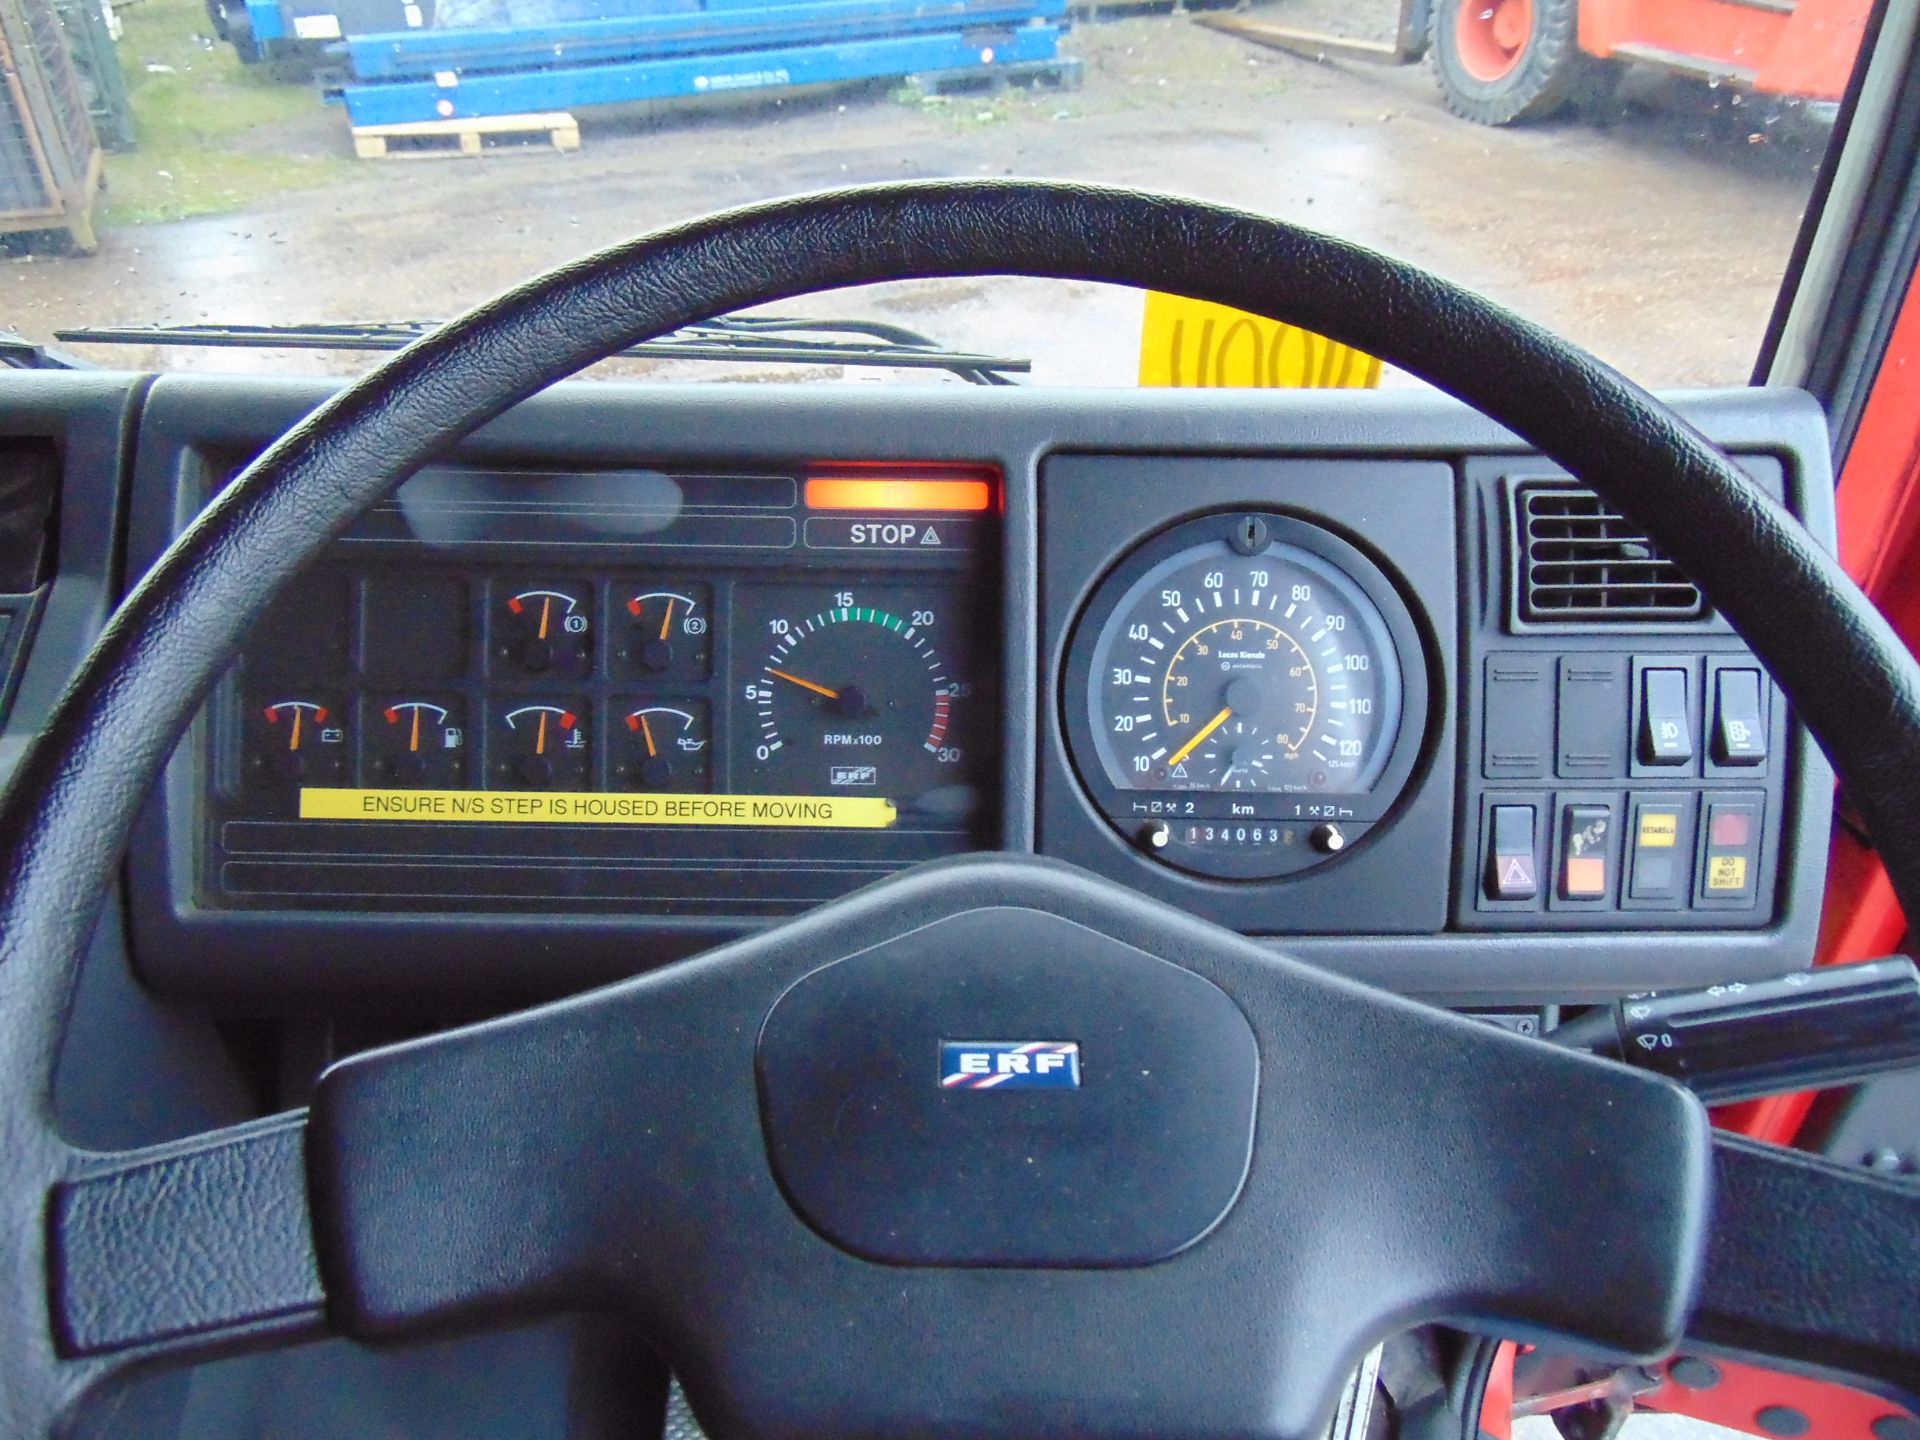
(417, 742)
(540, 746)
(663, 745)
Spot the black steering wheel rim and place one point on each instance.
(66, 816)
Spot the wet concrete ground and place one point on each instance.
(1653, 232)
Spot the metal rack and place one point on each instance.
(49, 153)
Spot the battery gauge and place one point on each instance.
(295, 740)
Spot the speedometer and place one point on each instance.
(1239, 695)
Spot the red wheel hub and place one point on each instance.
(1492, 36)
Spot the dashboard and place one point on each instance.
(638, 669)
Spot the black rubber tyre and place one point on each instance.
(1549, 71)
(240, 33)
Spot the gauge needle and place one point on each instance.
(546, 612)
(646, 731)
(296, 729)
(808, 684)
(1205, 730)
(540, 740)
(666, 620)
(413, 740)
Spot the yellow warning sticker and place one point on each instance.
(1194, 343)
(1726, 872)
(1659, 829)
(534, 807)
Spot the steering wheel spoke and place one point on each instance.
(1261, 1171)
(186, 1247)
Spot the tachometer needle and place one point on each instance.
(1194, 744)
(808, 684)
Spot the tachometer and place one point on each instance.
(856, 694)
(1239, 695)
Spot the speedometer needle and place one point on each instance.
(803, 684)
(1205, 730)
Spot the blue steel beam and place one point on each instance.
(528, 91)
(642, 37)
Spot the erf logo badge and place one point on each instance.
(1009, 1065)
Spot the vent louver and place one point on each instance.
(1581, 560)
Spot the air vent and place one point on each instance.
(1581, 560)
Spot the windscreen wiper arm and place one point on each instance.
(765, 339)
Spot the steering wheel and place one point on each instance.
(1265, 1169)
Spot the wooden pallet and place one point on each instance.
(432, 139)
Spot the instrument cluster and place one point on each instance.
(638, 664)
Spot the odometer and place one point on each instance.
(1242, 669)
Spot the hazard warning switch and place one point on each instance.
(1512, 870)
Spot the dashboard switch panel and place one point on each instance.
(1657, 728)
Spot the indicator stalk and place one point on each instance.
(1808, 1030)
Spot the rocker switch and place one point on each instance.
(1666, 732)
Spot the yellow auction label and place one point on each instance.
(586, 807)
(1197, 343)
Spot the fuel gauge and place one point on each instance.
(663, 745)
(544, 630)
(540, 746)
(666, 634)
(294, 741)
(413, 741)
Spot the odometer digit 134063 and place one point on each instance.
(1244, 695)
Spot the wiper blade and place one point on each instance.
(19, 353)
(764, 339)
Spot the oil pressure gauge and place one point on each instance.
(1245, 695)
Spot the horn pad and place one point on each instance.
(1006, 1087)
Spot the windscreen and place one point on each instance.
(1631, 176)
